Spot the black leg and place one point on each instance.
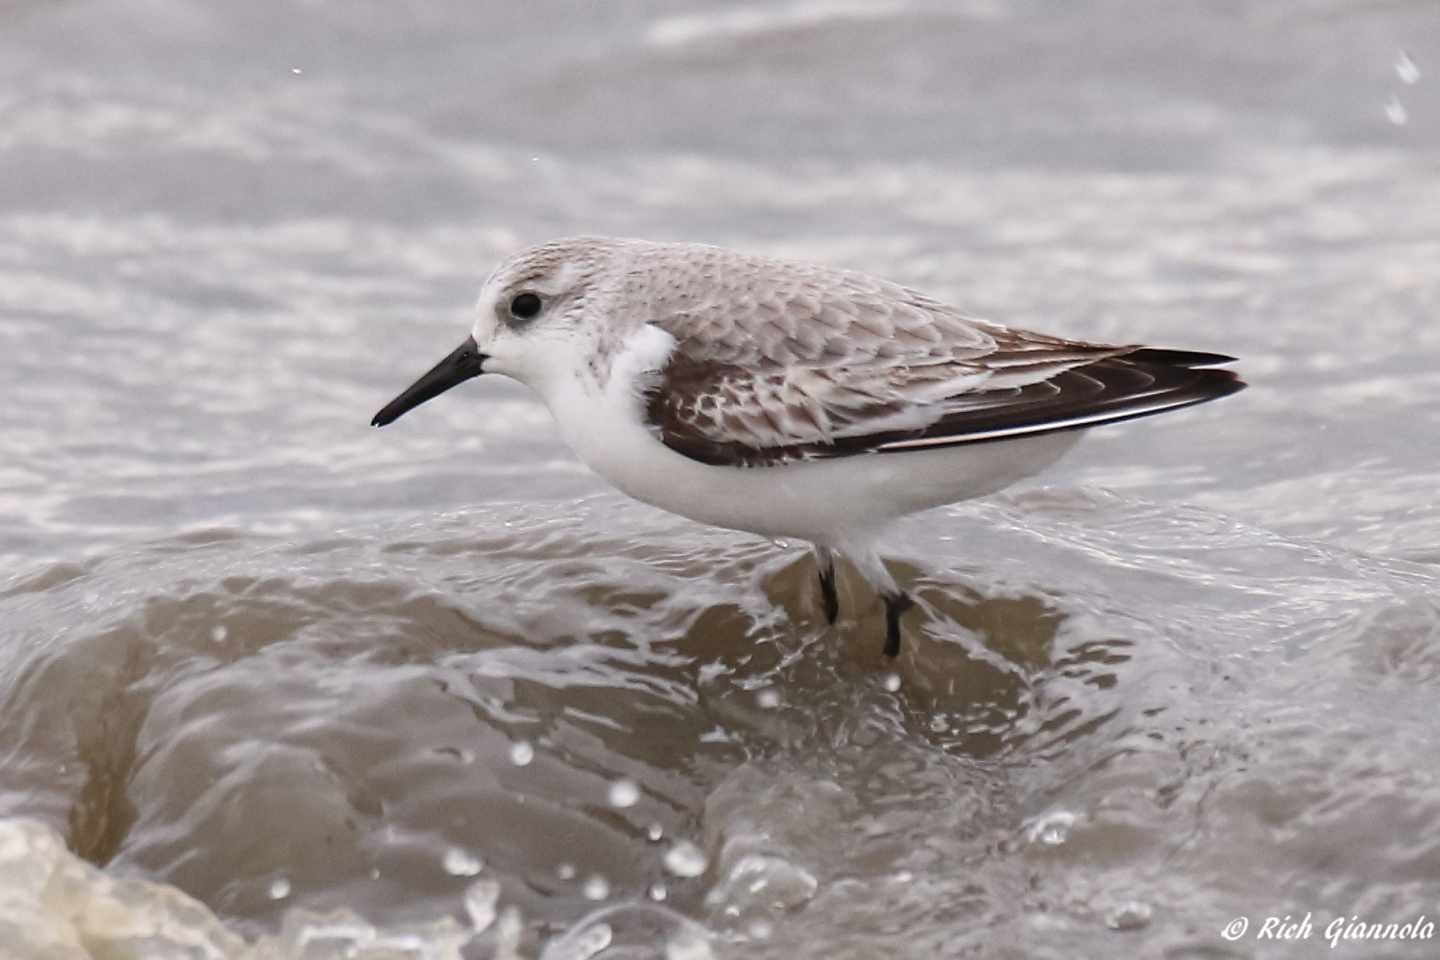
(894, 606)
(825, 562)
(827, 592)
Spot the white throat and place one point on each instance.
(601, 413)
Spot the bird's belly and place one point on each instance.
(827, 501)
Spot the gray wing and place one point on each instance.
(812, 363)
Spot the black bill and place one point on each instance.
(464, 363)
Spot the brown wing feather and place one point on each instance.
(776, 361)
(688, 407)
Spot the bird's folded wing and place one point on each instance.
(763, 412)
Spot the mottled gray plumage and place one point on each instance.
(776, 361)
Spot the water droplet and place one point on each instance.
(566, 871)
(459, 862)
(767, 883)
(295, 70)
(521, 753)
(657, 891)
(655, 832)
(759, 929)
(219, 632)
(279, 889)
(1395, 111)
(688, 945)
(624, 793)
(1052, 828)
(480, 899)
(892, 682)
(939, 724)
(596, 888)
(374, 873)
(768, 699)
(632, 930)
(507, 935)
(589, 942)
(685, 859)
(1405, 67)
(1131, 915)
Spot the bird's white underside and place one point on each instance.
(843, 503)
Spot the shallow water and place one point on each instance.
(276, 684)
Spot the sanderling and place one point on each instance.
(794, 400)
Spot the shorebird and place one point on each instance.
(789, 399)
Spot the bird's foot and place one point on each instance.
(828, 597)
(825, 563)
(895, 605)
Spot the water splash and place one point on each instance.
(481, 898)
(1053, 828)
(48, 896)
(632, 931)
(685, 859)
(507, 940)
(757, 892)
(585, 943)
(1395, 111)
(1130, 915)
(1406, 69)
(623, 793)
(459, 862)
(597, 887)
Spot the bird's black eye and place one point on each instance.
(525, 306)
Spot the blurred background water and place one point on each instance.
(275, 684)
